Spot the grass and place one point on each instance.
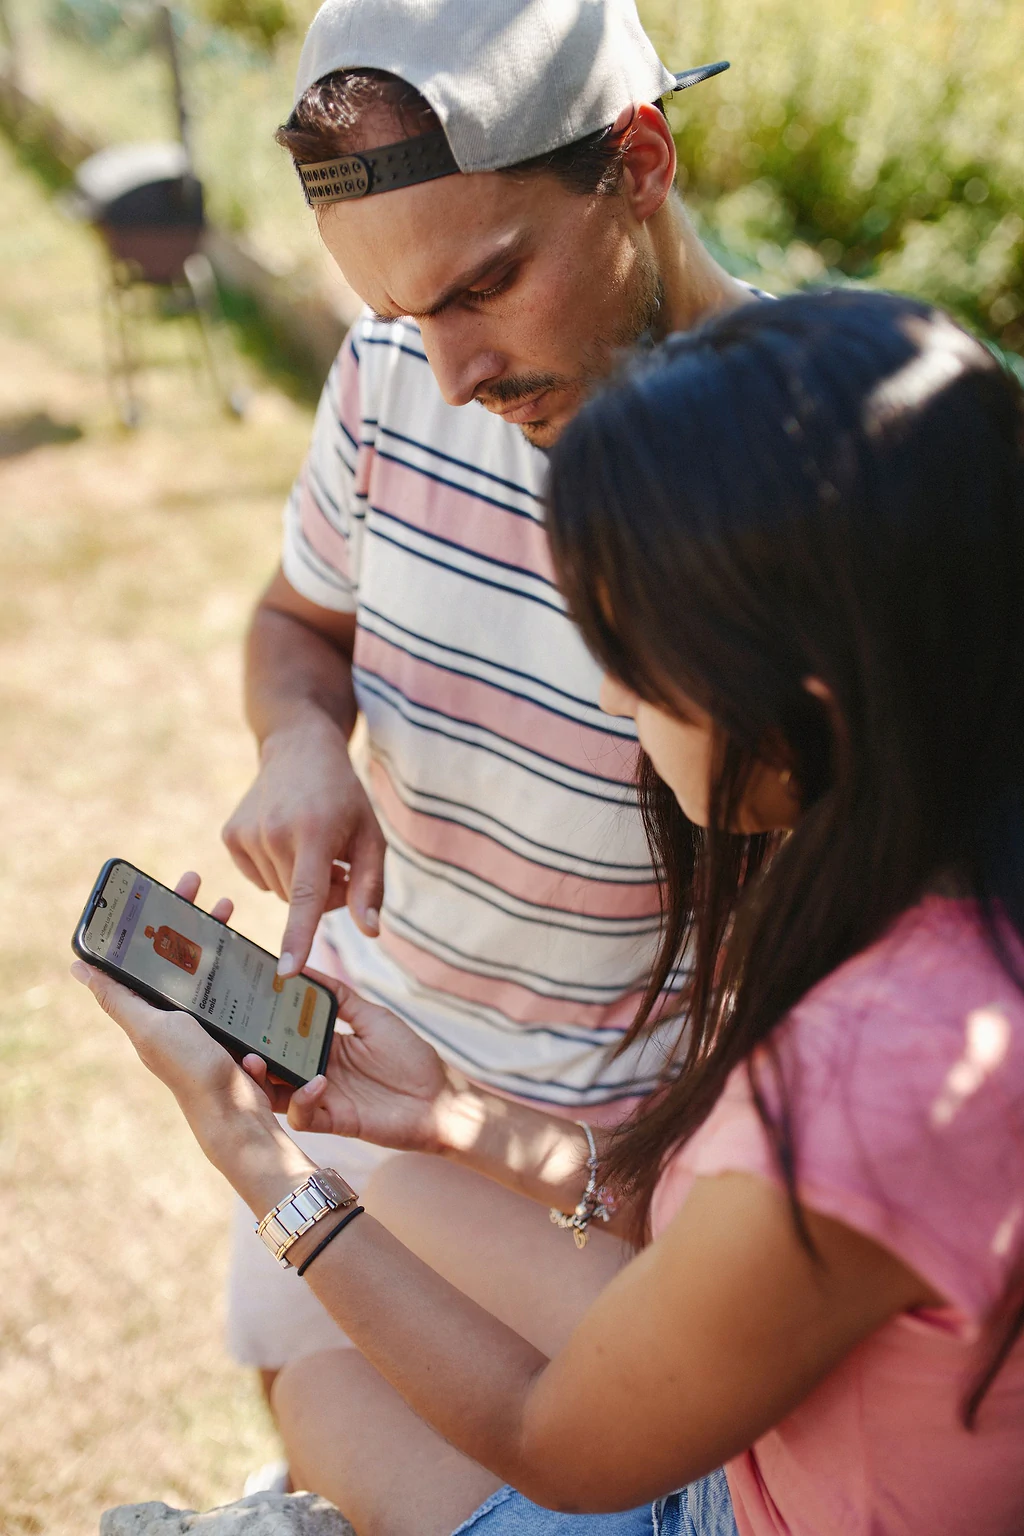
(131, 561)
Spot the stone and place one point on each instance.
(261, 1514)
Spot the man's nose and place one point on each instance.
(459, 359)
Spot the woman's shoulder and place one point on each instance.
(926, 1021)
(927, 980)
(903, 1076)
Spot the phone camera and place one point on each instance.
(102, 901)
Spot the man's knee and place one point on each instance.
(298, 1386)
(396, 1191)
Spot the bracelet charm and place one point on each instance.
(595, 1204)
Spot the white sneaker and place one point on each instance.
(272, 1477)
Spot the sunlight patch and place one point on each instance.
(987, 1042)
(944, 352)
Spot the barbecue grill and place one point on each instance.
(147, 205)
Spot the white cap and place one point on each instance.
(508, 79)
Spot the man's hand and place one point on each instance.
(383, 1083)
(304, 816)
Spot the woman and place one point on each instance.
(796, 542)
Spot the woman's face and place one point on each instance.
(681, 747)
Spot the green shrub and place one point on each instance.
(879, 140)
(261, 22)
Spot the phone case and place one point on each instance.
(186, 954)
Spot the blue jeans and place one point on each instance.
(703, 1508)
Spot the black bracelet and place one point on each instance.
(322, 1244)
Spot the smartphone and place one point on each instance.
(176, 956)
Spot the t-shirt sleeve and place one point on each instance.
(906, 1090)
(323, 516)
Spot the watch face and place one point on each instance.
(338, 1191)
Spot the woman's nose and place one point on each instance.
(615, 698)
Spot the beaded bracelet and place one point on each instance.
(594, 1202)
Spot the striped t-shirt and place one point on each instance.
(521, 910)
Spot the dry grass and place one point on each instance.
(129, 565)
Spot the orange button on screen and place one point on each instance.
(306, 1016)
(278, 984)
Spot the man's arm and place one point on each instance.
(306, 808)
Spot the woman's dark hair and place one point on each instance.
(325, 123)
(829, 487)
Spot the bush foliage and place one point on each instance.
(876, 139)
(259, 21)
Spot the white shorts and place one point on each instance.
(272, 1316)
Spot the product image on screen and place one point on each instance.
(182, 953)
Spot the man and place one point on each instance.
(496, 182)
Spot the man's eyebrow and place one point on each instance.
(507, 251)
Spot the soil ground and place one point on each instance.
(130, 561)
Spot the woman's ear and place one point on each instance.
(649, 159)
(820, 690)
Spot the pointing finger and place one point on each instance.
(311, 882)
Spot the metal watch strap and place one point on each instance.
(323, 1192)
(378, 170)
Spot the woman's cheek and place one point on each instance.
(681, 755)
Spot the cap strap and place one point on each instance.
(378, 170)
(703, 72)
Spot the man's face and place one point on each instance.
(523, 289)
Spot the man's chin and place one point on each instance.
(543, 434)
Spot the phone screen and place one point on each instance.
(196, 963)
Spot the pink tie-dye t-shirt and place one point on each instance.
(907, 1073)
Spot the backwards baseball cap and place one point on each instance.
(509, 80)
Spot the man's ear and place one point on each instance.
(649, 159)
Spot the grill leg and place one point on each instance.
(210, 318)
(122, 361)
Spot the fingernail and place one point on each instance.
(80, 972)
(286, 964)
(315, 1084)
(372, 919)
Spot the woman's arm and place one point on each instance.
(701, 1344)
(386, 1085)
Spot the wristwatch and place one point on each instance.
(323, 1192)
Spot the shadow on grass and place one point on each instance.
(20, 434)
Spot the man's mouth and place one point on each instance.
(533, 409)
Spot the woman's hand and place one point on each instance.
(226, 1109)
(383, 1083)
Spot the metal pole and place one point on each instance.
(10, 44)
(165, 23)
